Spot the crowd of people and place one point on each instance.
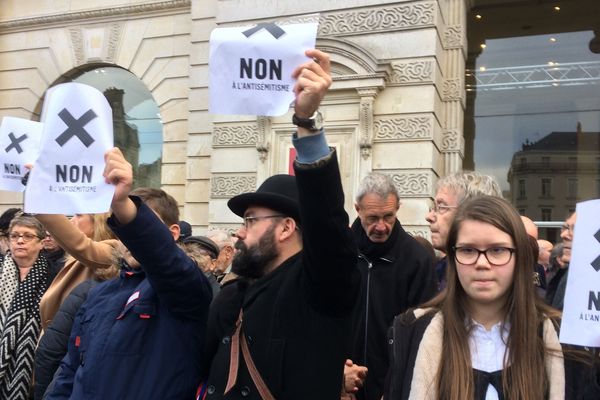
(301, 303)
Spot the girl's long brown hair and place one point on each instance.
(524, 311)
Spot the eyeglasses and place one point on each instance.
(27, 237)
(495, 255)
(567, 227)
(248, 221)
(373, 219)
(441, 209)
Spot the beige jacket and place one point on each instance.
(87, 256)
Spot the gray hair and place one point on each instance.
(468, 184)
(379, 184)
(220, 237)
(28, 221)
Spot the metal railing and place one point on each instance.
(531, 76)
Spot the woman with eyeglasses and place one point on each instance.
(487, 335)
(24, 277)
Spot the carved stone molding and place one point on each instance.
(124, 11)
(77, 40)
(113, 41)
(424, 233)
(406, 16)
(235, 135)
(412, 72)
(262, 143)
(452, 90)
(403, 128)
(231, 185)
(412, 184)
(452, 141)
(353, 57)
(453, 37)
(108, 38)
(367, 99)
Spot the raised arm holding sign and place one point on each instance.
(251, 68)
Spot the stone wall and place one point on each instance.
(396, 105)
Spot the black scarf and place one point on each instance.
(19, 325)
(371, 249)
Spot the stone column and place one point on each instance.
(453, 90)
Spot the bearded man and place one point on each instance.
(282, 331)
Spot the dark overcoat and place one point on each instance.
(297, 319)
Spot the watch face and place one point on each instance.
(318, 120)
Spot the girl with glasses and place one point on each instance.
(487, 335)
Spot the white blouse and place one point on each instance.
(487, 350)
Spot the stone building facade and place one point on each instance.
(396, 105)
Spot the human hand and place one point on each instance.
(354, 376)
(313, 81)
(119, 172)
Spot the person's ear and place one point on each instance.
(175, 231)
(228, 251)
(289, 228)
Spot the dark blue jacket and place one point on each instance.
(140, 336)
(54, 343)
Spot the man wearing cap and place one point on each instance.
(205, 252)
(282, 331)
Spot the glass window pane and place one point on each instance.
(533, 103)
(136, 120)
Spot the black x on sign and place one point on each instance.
(273, 29)
(75, 127)
(596, 262)
(15, 143)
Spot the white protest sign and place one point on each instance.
(251, 67)
(78, 130)
(19, 145)
(581, 312)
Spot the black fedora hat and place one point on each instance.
(278, 192)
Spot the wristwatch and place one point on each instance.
(313, 123)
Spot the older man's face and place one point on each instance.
(441, 216)
(566, 235)
(377, 215)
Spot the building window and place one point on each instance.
(572, 187)
(522, 190)
(545, 162)
(546, 214)
(573, 162)
(532, 104)
(546, 187)
(137, 125)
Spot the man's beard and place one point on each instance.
(251, 262)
